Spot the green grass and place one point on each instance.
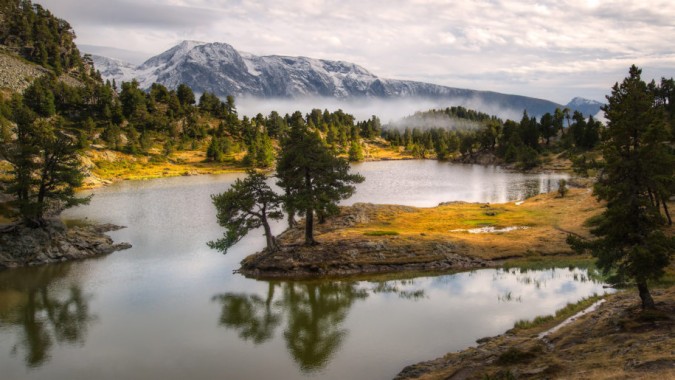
(381, 233)
(537, 262)
(569, 310)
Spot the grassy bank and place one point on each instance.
(107, 166)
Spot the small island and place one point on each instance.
(367, 238)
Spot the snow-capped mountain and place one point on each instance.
(585, 106)
(221, 69)
(113, 68)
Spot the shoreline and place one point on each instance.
(121, 166)
(612, 338)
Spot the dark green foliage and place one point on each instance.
(209, 103)
(40, 98)
(45, 166)
(133, 100)
(370, 129)
(313, 177)
(547, 127)
(218, 149)
(528, 158)
(260, 152)
(582, 165)
(562, 188)
(637, 160)
(248, 204)
(38, 36)
(355, 152)
(185, 95)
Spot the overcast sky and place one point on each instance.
(549, 49)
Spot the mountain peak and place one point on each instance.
(219, 68)
(585, 106)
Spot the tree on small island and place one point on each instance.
(636, 180)
(314, 178)
(248, 204)
(45, 166)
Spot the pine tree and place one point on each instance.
(248, 204)
(355, 152)
(629, 233)
(45, 166)
(314, 178)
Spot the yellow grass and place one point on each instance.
(547, 218)
(379, 149)
(118, 166)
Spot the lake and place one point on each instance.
(171, 308)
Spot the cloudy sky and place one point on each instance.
(549, 49)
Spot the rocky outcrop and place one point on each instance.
(480, 158)
(16, 74)
(23, 246)
(356, 257)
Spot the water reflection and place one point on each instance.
(313, 311)
(427, 183)
(312, 315)
(254, 318)
(41, 315)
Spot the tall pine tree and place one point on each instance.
(630, 237)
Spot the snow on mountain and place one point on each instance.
(585, 106)
(114, 69)
(221, 69)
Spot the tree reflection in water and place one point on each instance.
(313, 314)
(40, 314)
(252, 316)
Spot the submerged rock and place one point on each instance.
(24, 246)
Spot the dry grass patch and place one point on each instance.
(113, 166)
(379, 150)
(545, 222)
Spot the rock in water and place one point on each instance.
(24, 246)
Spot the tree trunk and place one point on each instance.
(651, 198)
(271, 242)
(645, 296)
(291, 219)
(309, 227)
(665, 208)
(309, 212)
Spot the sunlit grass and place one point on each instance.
(549, 220)
(127, 167)
(381, 233)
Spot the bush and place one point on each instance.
(562, 188)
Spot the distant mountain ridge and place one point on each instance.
(585, 106)
(221, 69)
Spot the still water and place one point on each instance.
(171, 308)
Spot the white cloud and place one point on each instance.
(549, 48)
